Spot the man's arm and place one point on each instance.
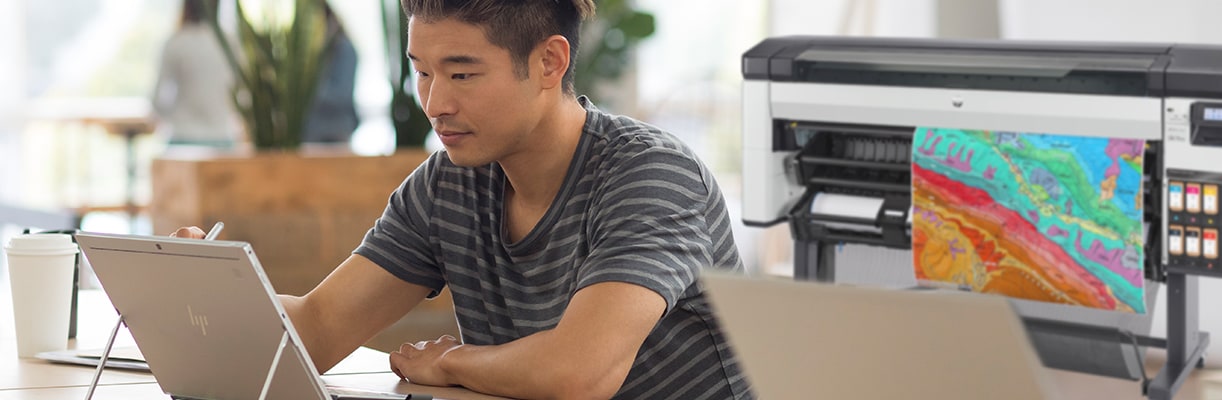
(355, 302)
(587, 355)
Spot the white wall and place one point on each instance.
(906, 18)
(12, 79)
(1113, 20)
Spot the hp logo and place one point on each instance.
(198, 320)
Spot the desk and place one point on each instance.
(383, 382)
(30, 379)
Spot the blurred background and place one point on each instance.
(89, 137)
(75, 74)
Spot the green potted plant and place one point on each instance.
(277, 65)
(608, 43)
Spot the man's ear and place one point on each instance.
(553, 56)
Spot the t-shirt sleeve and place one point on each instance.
(648, 223)
(399, 239)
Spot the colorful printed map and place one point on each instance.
(1034, 216)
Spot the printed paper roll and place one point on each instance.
(848, 206)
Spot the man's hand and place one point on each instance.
(420, 362)
(189, 232)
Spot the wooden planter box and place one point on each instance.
(303, 214)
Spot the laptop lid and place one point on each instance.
(204, 315)
(808, 340)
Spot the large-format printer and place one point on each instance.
(828, 127)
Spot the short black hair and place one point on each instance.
(515, 25)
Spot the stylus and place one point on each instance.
(215, 231)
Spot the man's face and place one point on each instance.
(477, 104)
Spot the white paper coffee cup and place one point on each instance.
(40, 268)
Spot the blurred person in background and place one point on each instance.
(332, 117)
(192, 99)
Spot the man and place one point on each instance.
(571, 239)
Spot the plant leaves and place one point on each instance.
(637, 26)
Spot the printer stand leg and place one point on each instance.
(1185, 345)
(803, 253)
(827, 263)
(814, 260)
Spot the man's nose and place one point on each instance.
(440, 100)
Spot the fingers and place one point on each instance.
(444, 341)
(419, 362)
(395, 358)
(410, 350)
(190, 232)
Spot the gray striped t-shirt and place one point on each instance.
(636, 206)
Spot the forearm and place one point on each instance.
(539, 366)
(307, 322)
(587, 355)
(358, 300)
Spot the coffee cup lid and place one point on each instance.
(41, 244)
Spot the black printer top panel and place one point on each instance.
(1052, 67)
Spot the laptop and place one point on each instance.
(205, 317)
(808, 340)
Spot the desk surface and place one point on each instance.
(381, 382)
(385, 382)
(28, 379)
(1202, 384)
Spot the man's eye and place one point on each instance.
(421, 74)
(460, 77)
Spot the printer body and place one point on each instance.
(828, 128)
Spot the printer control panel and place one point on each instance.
(1193, 222)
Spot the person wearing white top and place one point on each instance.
(193, 97)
